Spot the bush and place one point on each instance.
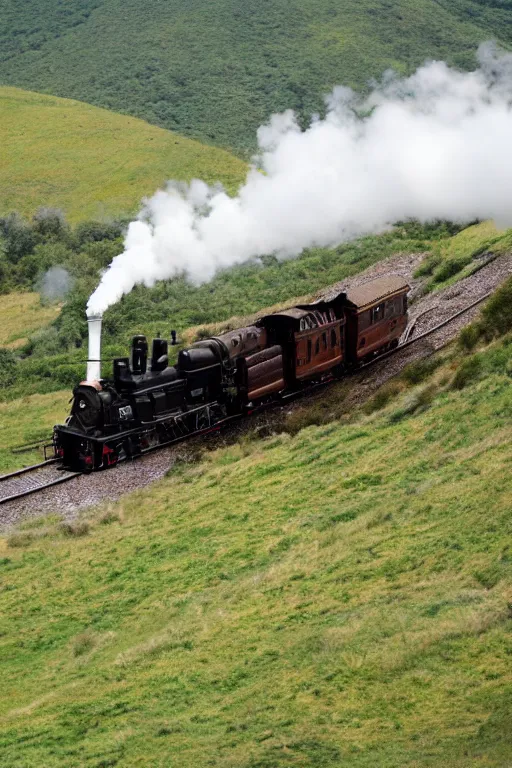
(497, 313)
(50, 222)
(8, 367)
(95, 231)
(382, 397)
(75, 528)
(417, 372)
(83, 643)
(416, 401)
(467, 372)
(449, 268)
(469, 336)
(428, 265)
(19, 237)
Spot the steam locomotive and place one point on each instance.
(148, 403)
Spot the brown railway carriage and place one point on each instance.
(376, 315)
(312, 336)
(302, 343)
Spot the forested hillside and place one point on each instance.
(91, 163)
(216, 71)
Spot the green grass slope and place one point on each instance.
(338, 598)
(92, 163)
(216, 71)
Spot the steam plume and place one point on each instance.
(55, 283)
(434, 145)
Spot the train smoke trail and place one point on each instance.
(433, 145)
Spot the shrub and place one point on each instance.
(21, 539)
(469, 336)
(467, 372)
(94, 231)
(428, 265)
(50, 222)
(75, 528)
(8, 367)
(416, 401)
(497, 313)
(19, 237)
(382, 397)
(420, 370)
(83, 643)
(449, 268)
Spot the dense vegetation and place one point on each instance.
(93, 163)
(216, 71)
(54, 357)
(340, 597)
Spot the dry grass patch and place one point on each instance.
(21, 314)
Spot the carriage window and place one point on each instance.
(394, 307)
(334, 338)
(378, 313)
(317, 347)
(309, 350)
(324, 340)
(302, 326)
(364, 320)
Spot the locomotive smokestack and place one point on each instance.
(94, 360)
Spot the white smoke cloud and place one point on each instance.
(55, 283)
(433, 145)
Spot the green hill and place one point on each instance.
(90, 162)
(337, 598)
(216, 71)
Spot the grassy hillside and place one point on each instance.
(24, 422)
(92, 163)
(454, 258)
(337, 598)
(216, 71)
(21, 315)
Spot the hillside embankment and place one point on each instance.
(338, 596)
(91, 162)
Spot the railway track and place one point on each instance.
(46, 474)
(33, 479)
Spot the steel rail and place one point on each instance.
(27, 469)
(37, 488)
(426, 333)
